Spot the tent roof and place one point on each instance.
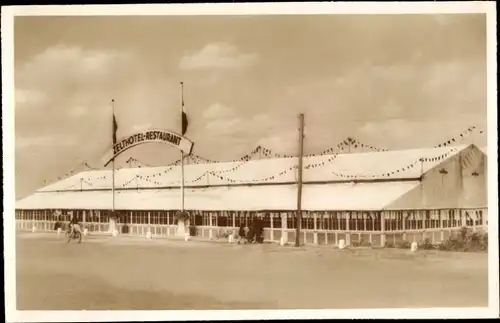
(400, 164)
(330, 184)
(316, 197)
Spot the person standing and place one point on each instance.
(241, 233)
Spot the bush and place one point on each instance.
(361, 243)
(405, 244)
(365, 243)
(466, 240)
(389, 245)
(426, 245)
(223, 233)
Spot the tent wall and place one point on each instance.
(458, 182)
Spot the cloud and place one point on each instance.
(279, 134)
(72, 60)
(78, 111)
(283, 142)
(376, 91)
(217, 56)
(410, 132)
(71, 69)
(222, 120)
(225, 127)
(140, 127)
(25, 97)
(61, 84)
(217, 110)
(29, 142)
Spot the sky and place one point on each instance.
(391, 81)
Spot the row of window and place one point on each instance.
(358, 221)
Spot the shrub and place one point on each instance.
(223, 233)
(365, 243)
(404, 244)
(466, 240)
(389, 245)
(426, 245)
(361, 243)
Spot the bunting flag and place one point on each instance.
(398, 170)
(455, 139)
(379, 175)
(71, 172)
(133, 160)
(260, 151)
(356, 143)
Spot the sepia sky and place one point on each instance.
(398, 81)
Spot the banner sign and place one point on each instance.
(150, 136)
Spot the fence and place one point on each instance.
(323, 228)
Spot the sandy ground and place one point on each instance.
(134, 274)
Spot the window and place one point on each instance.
(266, 219)
(290, 220)
(105, 216)
(197, 218)
(222, 220)
(341, 221)
(239, 219)
(170, 217)
(206, 218)
(160, 217)
(276, 219)
(307, 222)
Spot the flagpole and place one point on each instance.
(113, 161)
(298, 216)
(182, 152)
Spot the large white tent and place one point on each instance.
(446, 177)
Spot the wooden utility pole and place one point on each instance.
(182, 152)
(299, 181)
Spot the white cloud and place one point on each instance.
(406, 133)
(64, 82)
(140, 127)
(74, 60)
(218, 110)
(225, 126)
(283, 142)
(72, 66)
(78, 111)
(29, 142)
(222, 120)
(261, 118)
(25, 97)
(217, 56)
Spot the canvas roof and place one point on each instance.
(399, 164)
(337, 196)
(156, 188)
